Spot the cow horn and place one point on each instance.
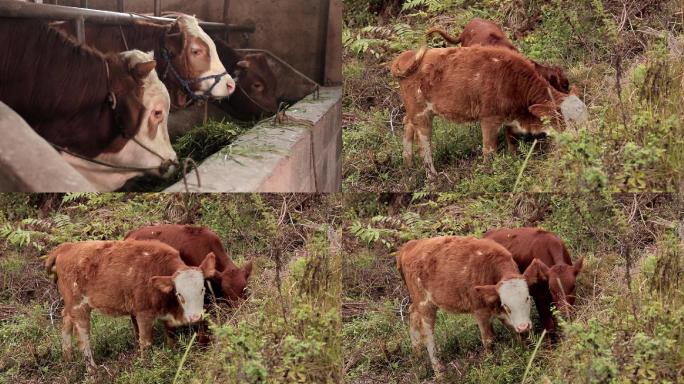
(111, 98)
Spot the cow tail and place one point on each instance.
(415, 63)
(50, 266)
(401, 272)
(444, 34)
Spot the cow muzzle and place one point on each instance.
(523, 328)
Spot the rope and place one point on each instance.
(123, 37)
(185, 173)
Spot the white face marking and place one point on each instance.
(157, 103)
(516, 303)
(189, 290)
(190, 25)
(574, 110)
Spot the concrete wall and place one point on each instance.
(295, 30)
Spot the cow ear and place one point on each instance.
(163, 283)
(243, 64)
(542, 110)
(573, 90)
(487, 293)
(208, 266)
(536, 272)
(578, 265)
(247, 269)
(141, 70)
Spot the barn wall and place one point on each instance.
(291, 29)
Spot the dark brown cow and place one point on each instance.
(73, 96)
(190, 51)
(194, 243)
(144, 279)
(463, 275)
(488, 33)
(557, 285)
(255, 95)
(494, 85)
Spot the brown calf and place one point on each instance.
(494, 85)
(488, 33)
(557, 285)
(463, 275)
(194, 243)
(144, 279)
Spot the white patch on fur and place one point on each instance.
(84, 302)
(190, 285)
(189, 24)
(515, 295)
(479, 253)
(155, 96)
(146, 253)
(494, 59)
(574, 110)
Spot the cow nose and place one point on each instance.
(231, 88)
(195, 318)
(523, 328)
(168, 167)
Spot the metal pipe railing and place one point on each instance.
(21, 9)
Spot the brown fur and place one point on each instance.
(487, 33)
(194, 243)
(117, 279)
(449, 273)
(61, 89)
(494, 85)
(254, 81)
(147, 37)
(528, 244)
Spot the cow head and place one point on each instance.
(257, 86)
(510, 300)
(554, 75)
(193, 55)
(561, 280)
(187, 284)
(234, 282)
(561, 107)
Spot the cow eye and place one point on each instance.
(258, 86)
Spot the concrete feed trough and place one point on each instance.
(300, 154)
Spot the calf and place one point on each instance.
(144, 279)
(494, 85)
(463, 275)
(256, 85)
(194, 243)
(558, 274)
(487, 33)
(149, 152)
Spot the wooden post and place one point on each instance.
(84, 3)
(157, 8)
(226, 6)
(119, 5)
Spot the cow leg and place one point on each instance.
(490, 129)
(145, 324)
(67, 329)
(408, 142)
(83, 328)
(136, 332)
(203, 337)
(486, 330)
(425, 140)
(170, 335)
(510, 140)
(546, 317)
(428, 333)
(415, 326)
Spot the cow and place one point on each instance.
(488, 33)
(494, 85)
(188, 63)
(255, 96)
(150, 152)
(73, 96)
(558, 273)
(146, 280)
(463, 275)
(194, 243)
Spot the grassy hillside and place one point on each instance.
(287, 331)
(627, 324)
(624, 57)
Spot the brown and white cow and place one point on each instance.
(73, 96)
(146, 280)
(150, 148)
(463, 275)
(488, 33)
(494, 85)
(183, 51)
(194, 243)
(558, 273)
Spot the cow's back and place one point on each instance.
(193, 243)
(484, 32)
(448, 267)
(526, 244)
